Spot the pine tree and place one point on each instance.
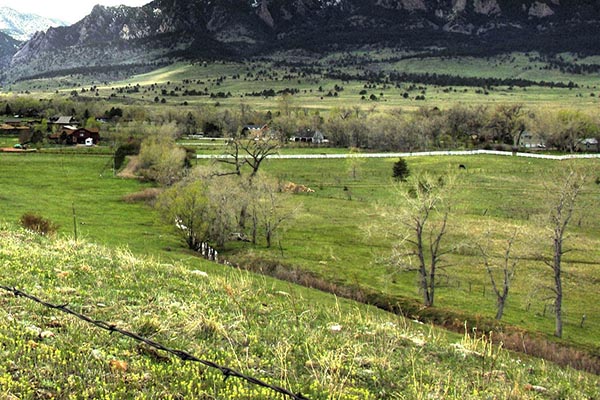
(401, 171)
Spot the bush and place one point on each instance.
(127, 149)
(401, 171)
(37, 223)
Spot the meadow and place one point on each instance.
(329, 237)
(331, 240)
(59, 186)
(229, 84)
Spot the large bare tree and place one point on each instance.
(418, 223)
(563, 198)
(507, 123)
(250, 152)
(268, 208)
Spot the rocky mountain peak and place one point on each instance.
(21, 26)
(241, 28)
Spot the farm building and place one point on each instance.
(76, 136)
(63, 121)
(9, 129)
(589, 144)
(530, 141)
(309, 136)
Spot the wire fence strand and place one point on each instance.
(182, 355)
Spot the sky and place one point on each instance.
(69, 11)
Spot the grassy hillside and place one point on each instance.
(314, 80)
(289, 336)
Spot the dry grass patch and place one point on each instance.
(147, 196)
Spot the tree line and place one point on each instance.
(460, 126)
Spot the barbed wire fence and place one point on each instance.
(182, 355)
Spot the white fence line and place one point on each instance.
(411, 154)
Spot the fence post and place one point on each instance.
(74, 221)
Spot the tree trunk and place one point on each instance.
(243, 213)
(559, 322)
(268, 237)
(254, 231)
(427, 300)
(500, 309)
(558, 288)
(431, 293)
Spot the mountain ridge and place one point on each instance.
(172, 29)
(8, 46)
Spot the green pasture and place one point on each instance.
(329, 236)
(8, 141)
(240, 79)
(52, 185)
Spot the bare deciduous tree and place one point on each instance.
(506, 268)
(563, 201)
(251, 152)
(268, 208)
(354, 162)
(419, 224)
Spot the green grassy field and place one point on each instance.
(273, 329)
(330, 240)
(52, 185)
(328, 237)
(240, 79)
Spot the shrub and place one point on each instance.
(400, 170)
(126, 149)
(37, 223)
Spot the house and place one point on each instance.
(63, 121)
(254, 131)
(8, 129)
(83, 136)
(587, 145)
(531, 141)
(14, 127)
(14, 122)
(309, 136)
